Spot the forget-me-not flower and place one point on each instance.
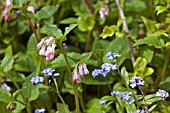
(136, 81)
(162, 93)
(36, 80)
(115, 93)
(127, 97)
(50, 72)
(41, 110)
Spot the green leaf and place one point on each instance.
(147, 53)
(69, 21)
(155, 41)
(150, 25)
(108, 31)
(124, 74)
(140, 65)
(93, 106)
(47, 11)
(19, 2)
(160, 9)
(107, 97)
(5, 96)
(68, 29)
(62, 108)
(148, 71)
(7, 61)
(135, 5)
(120, 22)
(53, 30)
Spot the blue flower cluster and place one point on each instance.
(112, 56)
(136, 81)
(50, 72)
(142, 111)
(41, 110)
(36, 80)
(106, 68)
(162, 93)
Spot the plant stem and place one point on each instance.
(89, 6)
(143, 98)
(125, 27)
(75, 87)
(129, 107)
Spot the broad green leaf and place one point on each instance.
(62, 108)
(7, 61)
(93, 106)
(68, 29)
(108, 31)
(152, 108)
(160, 9)
(70, 20)
(151, 101)
(167, 44)
(53, 30)
(135, 5)
(140, 65)
(120, 22)
(147, 53)
(107, 97)
(124, 74)
(148, 71)
(5, 96)
(155, 41)
(150, 25)
(47, 11)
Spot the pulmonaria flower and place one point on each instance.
(127, 97)
(4, 86)
(142, 111)
(36, 80)
(50, 72)
(79, 72)
(115, 93)
(31, 9)
(136, 81)
(103, 12)
(112, 56)
(41, 110)
(47, 48)
(162, 93)
(11, 106)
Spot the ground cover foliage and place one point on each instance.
(84, 56)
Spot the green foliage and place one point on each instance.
(5, 96)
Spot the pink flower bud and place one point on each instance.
(75, 77)
(39, 45)
(81, 71)
(48, 41)
(50, 52)
(42, 50)
(31, 9)
(86, 71)
(5, 87)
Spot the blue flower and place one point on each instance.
(36, 80)
(127, 97)
(141, 111)
(115, 93)
(112, 56)
(136, 81)
(41, 110)
(97, 72)
(50, 72)
(163, 94)
(102, 102)
(108, 67)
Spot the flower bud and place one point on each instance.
(31, 9)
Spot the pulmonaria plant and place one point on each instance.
(136, 81)
(103, 12)
(79, 72)
(162, 93)
(47, 48)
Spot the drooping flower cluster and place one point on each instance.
(36, 80)
(47, 48)
(103, 12)
(41, 110)
(162, 93)
(7, 10)
(79, 72)
(136, 81)
(50, 72)
(112, 56)
(106, 68)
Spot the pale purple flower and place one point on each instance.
(8, 2)
(36, 80)
(31, 9)
(103, 12)
(48, 71)
(162, 93)
(81, 72)
(115, 93)
(39, 45)
(49, 41)
(75, 77)
(42, 50)
(41, 110)
(50, 52)
(4, 86)
(86, 71)
(136, 81)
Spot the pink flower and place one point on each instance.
(42, 50)
(48, 41)
(86, 71)
(5, 87)
(81, 72)
(31, 9)
(39, 45)
(75, 77)
(50, 52)
(8, 2)
(103, 12)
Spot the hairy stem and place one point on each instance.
(125, 27)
